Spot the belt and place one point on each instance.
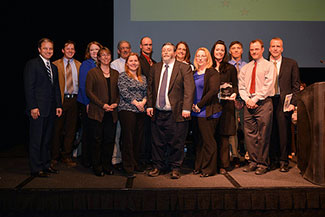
(70, 96)
(261, 102)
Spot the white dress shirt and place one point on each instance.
(264, 86)
(278, 66)
(118, 65)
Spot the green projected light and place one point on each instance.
(227, 10)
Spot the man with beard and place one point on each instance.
(170, 97)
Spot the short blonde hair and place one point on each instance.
(207, 53)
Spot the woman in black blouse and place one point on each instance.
(227, 124)
(133, 98)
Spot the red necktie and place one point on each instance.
(252, 89)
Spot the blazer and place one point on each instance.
(211, 88)
(145, 66)
(60, 64)
(181, 88)
(39, 91)
(97, 92)
(227, 123)
(289, 80)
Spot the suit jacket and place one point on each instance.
(60, 64)
(181, 88)
(289, 80)
(211, 88)
(97, 92)
(145, 66)
(39, 91)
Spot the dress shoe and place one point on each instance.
(51, 170)
(108, 172)
(130, 175)
(175, 174)
(284, 168)
(261, 171)
(40, 174)
(223, 171)
(250, 169)
(154, 173)
(196, 172)
(99, 173)
(204, 175)
(69, 163)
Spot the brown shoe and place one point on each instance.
(175, 174)
(69, 163)
(154, 173)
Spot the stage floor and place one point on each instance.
(14, 174)
(77, 190)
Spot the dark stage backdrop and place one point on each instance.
(23, 23)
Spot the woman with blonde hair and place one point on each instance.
(205, 112)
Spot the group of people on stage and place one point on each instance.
(134, 110)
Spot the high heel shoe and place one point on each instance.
(204, 175)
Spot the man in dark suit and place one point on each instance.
(43, 100)
(145, 55)
(170, 98)
(286, 82)
(146, 63)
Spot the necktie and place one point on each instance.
(69, 80)
(276, 76)
(49, 72)
(162, 91)
(252, 88)
(237, 67)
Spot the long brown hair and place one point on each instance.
(127, 71)
(87, 53)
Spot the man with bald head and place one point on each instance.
(286, 81)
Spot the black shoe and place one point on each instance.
(99, 173)
(109, 172)
(261, 171)
(284, 168)
(41, 174)
(154, 173)
(51, 170)
(175, 174)
(130, 175)
(250, 169)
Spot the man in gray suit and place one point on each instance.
(170, 97)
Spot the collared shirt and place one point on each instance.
(240, 63)
(170, 70)
(45, 62)
(74, 75)
(263, 81)
(147, 58)
(118, 65)
(278, 66)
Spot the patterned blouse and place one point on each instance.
(131, 89)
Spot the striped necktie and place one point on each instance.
(49, 71)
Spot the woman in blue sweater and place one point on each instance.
(89, 63)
